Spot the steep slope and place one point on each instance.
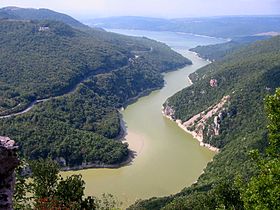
(245, 77)
(40, 14)
(78, 80)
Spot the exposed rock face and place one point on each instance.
(198, 122)
(200, 125)
(217, 122)
(8, 162)
(168, 111)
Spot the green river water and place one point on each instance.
(168, 159)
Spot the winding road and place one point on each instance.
(71, 90)
(28, 108)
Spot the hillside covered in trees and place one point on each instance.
(246, 76)
(80, 79)
(219, 51)
(18, 13)
(226, 27)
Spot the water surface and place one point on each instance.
(168, 158)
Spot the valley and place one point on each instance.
(159, 155)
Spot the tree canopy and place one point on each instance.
(238, 177)
(86, 76)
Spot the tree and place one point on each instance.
(45, 176)
(227, 195)
(273, 115)
(70, 190)
(22, 196)
(49, 190)
(263, 191)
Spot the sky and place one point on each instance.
(152, 8)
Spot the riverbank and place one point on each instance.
(152, 137)
(194, 134)
(98, 165)
(135, 141)
(133, 151)
(135, 145)
(190, 81)
(142, 94)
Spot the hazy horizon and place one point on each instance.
(153, 8)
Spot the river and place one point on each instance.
(168, 159)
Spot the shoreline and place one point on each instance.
(194, 134)
(85, 166)
(133, 148)
(201, 57)
(177, 32)
(142, 94)
(180, 124)
(121, 137)
(190, 81)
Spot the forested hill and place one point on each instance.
(219, 51)
(224, 26)
(6, 15)
(38, 14)
(238, 83)
(85, 76)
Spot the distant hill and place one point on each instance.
(229, 96)
(79, 80)
(219, 51)
(130, 22)
(212, 26)
(38, 14)
(6, 15)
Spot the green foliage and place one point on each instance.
(273, 110)
(70, 189)
(248, 75)
(219, 51)
(107, 202)
(44, 175)
(223, 195)
(86, 76)
(196, 201)
(227, 195)
(38, 14)
(46, 190)
(22, 194)
(262, 191)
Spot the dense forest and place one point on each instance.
(85, 76)
(45, 189)
(17, 13)
(226, 27)
(247, 75)
(219, 51)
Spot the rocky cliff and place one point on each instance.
(8, 162)
(204, 125)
